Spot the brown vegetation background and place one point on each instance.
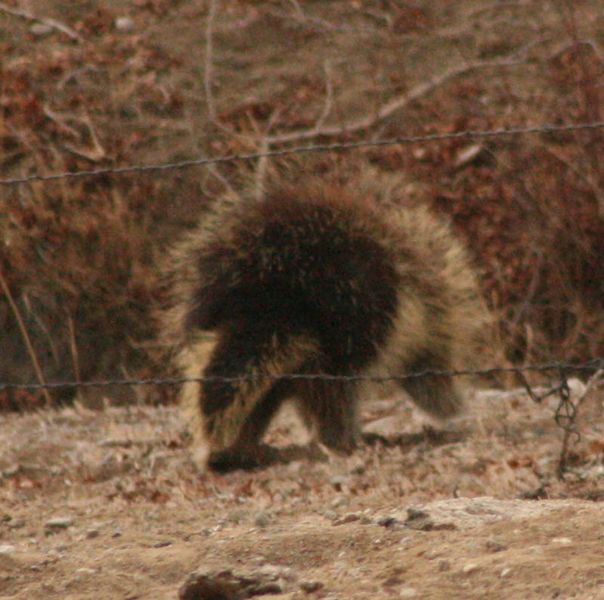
(89, 85)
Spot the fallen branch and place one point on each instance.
(396, 104)
(29, 16)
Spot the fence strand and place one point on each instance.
(558, 367)
(318, 148)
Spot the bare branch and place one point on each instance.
(396, 104)
(26, 339)
(261, 171)
(208, 76)
(29, 16)
(264, 147)
(328, 97)
(208, 62)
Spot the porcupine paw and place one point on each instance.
(233, 459)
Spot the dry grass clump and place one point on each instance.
(80, 264)
(536, 212)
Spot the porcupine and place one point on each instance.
(316, 277)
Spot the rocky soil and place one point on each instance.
(107, 504)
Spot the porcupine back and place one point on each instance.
(319, 277)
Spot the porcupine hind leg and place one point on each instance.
(435, 394)
(330, 408)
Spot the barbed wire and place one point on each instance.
(317, 148)
(559, 367)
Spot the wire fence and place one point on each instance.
(565, 368)
(566, 411)
(309, 149)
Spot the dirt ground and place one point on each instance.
(106, 504)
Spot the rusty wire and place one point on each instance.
(566, 411)
(586, 367)
(317, 148)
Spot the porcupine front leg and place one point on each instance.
(242, 390)
(247, 452)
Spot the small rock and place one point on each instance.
(420, 153)
(310, 586)
(493, 546)
(85, 571)
(564, 541)
(6, 549)
(385, 427)
(202, 587)
(338, 481)
(348, 518)
(228, 585)
(162, 544)
(59, 523)
(262, 520)
(468, 154)
(274, 572)
(124, 24)
(470, 568)
(388, 522)
(11, 471)
(539, 493)
(339, 502)
(577, 387)
(422, 521)
(408, 593)
(40, 29)
(444, 565)
(505, 572)
(92, 533)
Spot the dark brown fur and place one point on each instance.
(316, 278)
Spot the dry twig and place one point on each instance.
(571, 427)
(209, 63)
(208, 75)
(394, 105)
(26, 338)
(53, 23)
